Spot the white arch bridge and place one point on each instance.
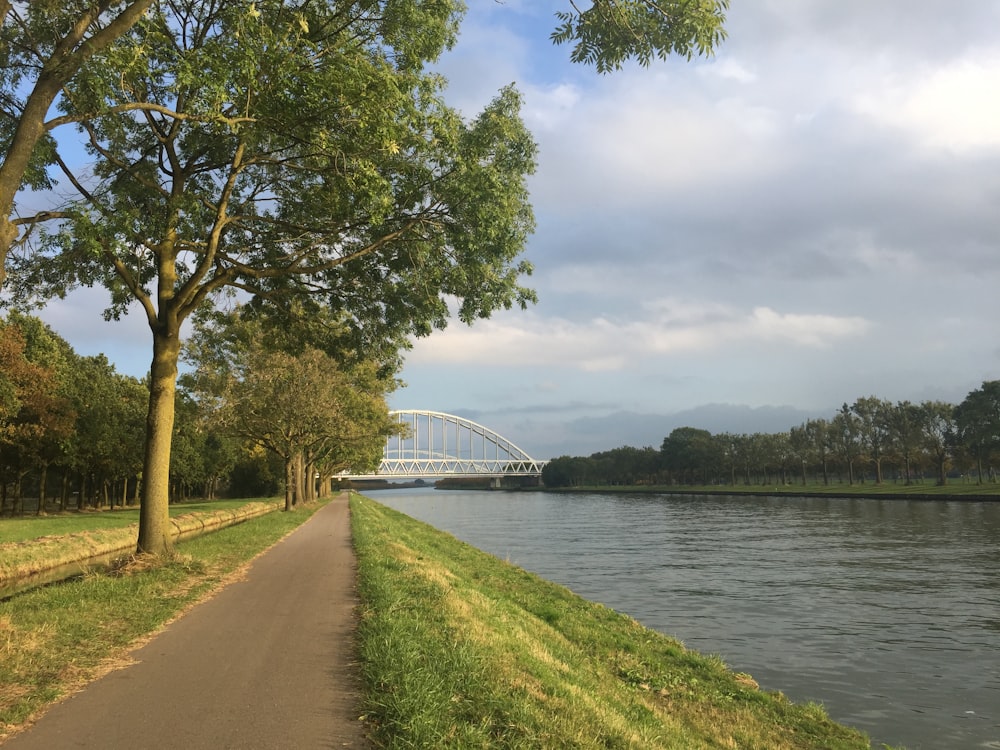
(434, 444)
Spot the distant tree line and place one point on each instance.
(871, 440)
(255, 416)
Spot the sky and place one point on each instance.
(734, 243)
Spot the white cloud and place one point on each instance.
(731, 69)
(638, 143)
(550, 108)
(603, 344)
(954, 107)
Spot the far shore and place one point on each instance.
(958, 489)
(975, 493)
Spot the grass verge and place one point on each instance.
(56, 638)
(462, 650)
(52, 558)
(26, 528)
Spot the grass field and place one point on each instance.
(23, 528)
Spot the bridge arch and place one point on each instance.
(435, 444)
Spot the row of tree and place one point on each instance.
(72, 428)
(283, 150)
(871, 439)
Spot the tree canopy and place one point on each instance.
(611, 32)
(280, 150)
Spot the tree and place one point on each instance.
(845, 436)
(225, 345)
(803, 448)
(314, 156)
(308, 411)
(733, 449)
(106, 445)
(557, 472)
(49, 351)
(34, 418)
(690, 454)
(570, 471)
(906, 433)
(282, 148)
(202, 453)
(777, 453)
(978, 421)
(939, 432)
(873, 429)
(43, 44)
(628, 465)
(818, 434)
(610, 32)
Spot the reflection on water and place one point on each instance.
(885, 611)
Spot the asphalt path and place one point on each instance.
(267, 663)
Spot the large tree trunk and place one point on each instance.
(309, 479)
(300, 480)
(154, 518)
(289, 478)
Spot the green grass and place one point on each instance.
(24, 528)
(48, 556)
(462, 650)
(55, 638)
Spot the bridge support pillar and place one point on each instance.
(497, 483)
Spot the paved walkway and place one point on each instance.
(267, 663)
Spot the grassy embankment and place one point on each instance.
(45, 545)
(24, 528)
(462, 650)
(56, 638)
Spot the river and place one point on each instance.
(887, 612)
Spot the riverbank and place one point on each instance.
(460, 649)
(42, 557)
(457, 648)
(969, 491)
